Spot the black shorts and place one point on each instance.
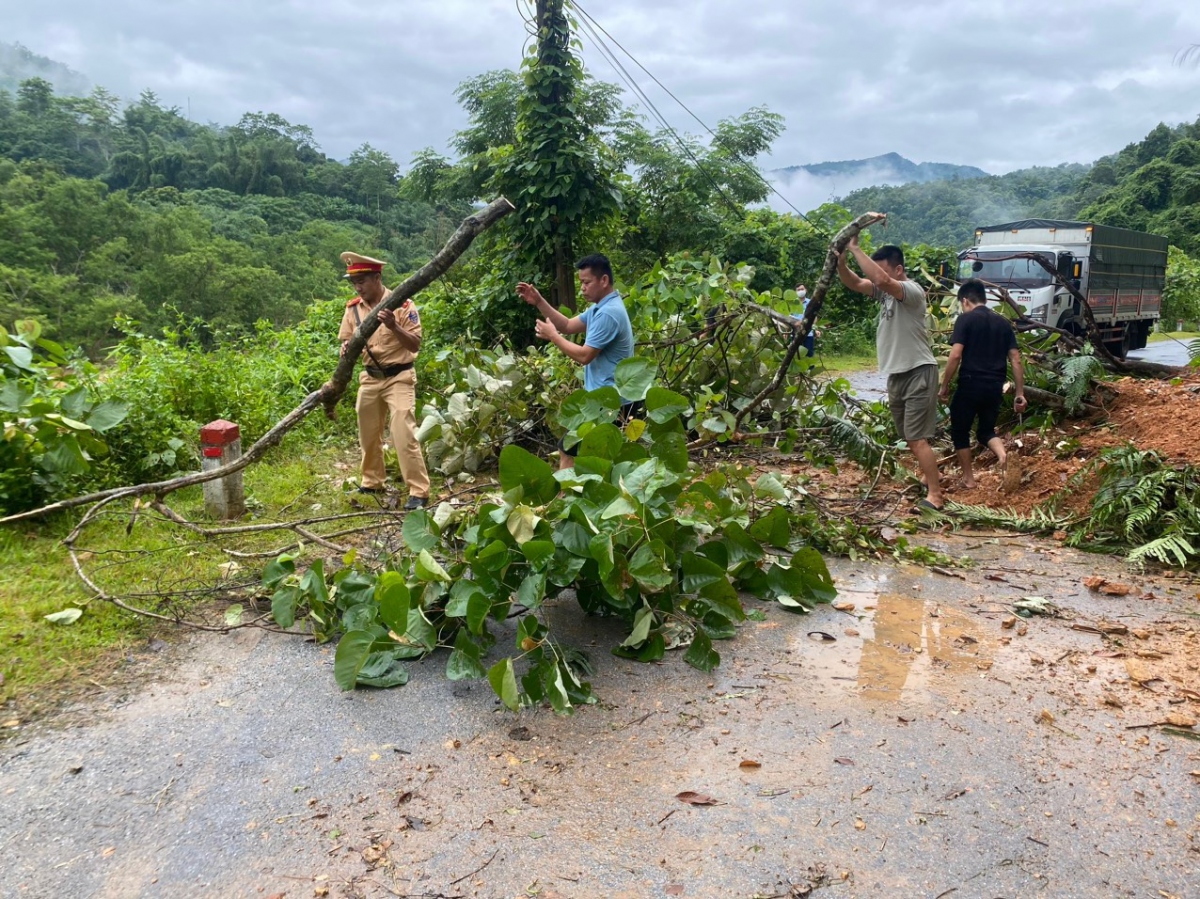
(973, 401)
(628, 411)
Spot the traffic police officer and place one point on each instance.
(388, 382)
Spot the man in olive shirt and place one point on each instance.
(982, 345)
(388, 382)
(905, 356)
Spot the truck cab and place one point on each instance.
(1121, 274)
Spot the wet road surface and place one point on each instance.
(925, 749)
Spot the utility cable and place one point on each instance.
(633, 86)
(586, 16)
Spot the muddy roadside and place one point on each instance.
(927, 748)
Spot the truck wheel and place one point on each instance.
(1128, 339)
(1143, 335)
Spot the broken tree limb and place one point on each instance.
(1056, 402)
(1111, 362)
(801, 328)
(327, 395)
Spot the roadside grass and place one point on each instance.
(43, 664)
(1185, 336)
(845, 362)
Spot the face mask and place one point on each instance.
(801, 293)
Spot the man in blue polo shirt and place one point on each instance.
(608, 336)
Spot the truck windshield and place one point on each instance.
(996, 269)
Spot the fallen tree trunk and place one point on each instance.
(328, 394)
(1056, 402)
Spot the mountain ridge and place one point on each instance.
(886, 168)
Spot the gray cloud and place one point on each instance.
(1000, 84)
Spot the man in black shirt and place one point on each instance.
(983, 344)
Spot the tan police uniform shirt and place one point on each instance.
(383, 344)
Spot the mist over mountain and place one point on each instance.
(808, 186)
(17, 63)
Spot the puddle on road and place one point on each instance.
(907, 647)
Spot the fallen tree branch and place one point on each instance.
(804, 326)
(1056, 402)
(1111, 362)
(327, 395)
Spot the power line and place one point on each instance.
(749, 165)
(624, 75)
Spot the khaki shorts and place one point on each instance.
(912, 397)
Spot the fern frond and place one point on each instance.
(1036, 521)
(848, 436)
(1076, 379)
(1168, 549)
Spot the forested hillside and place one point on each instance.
(946, 212)
(138, 212)
(1153, 185)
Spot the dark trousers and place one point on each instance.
(973, 400)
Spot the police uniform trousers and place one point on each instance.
(377, 397)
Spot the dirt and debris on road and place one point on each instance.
(1163, 416)
(907, 743)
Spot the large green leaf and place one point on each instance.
(75, 403)
(464, 662)
(604, 441)
(394, 600)
(595, 406)
(520, 468)
(633, 377)
(532, 590)
(774, 528)
(12, 397)
(420, 531)
(22, 357)
(65, 457)
(277, 569)
(701, 654)
(663, 405)
(642, 623)
(741, 546)
(769, 486)
(428, 569)
(650, 568)
(503, 679)
(671, 449)
(382, 670)
(538, 551)
(818, 582)
(601, 549)
(419, 631)
(351, 655)
(617, 508)
(699, 572)
(573, 537)
(107, 415)
(478, 606)
(460, 596)
(283, 606)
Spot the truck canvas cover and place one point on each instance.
(1119, 258)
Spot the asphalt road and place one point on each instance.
(1165, 352)
(926, 751)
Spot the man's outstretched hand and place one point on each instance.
(529, 294)
(545, 330)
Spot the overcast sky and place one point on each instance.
(1000, 84)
